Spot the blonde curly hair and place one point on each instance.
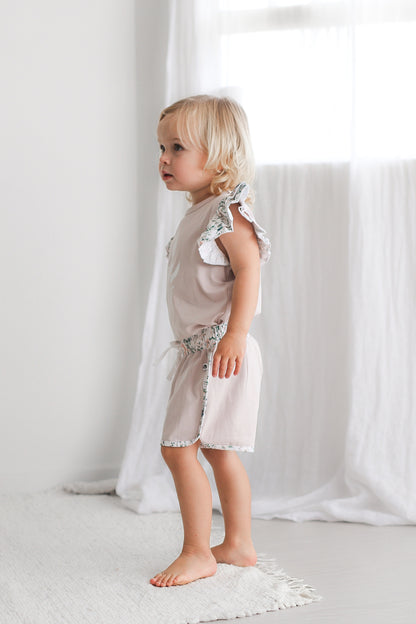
(217, 126)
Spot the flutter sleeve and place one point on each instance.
(168, 246)
(222, 223)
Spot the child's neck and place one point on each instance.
(199, 196)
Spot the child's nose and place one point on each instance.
(164, 158)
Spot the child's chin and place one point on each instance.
(172, 185)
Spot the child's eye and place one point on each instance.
(177, 147)
(162, 148)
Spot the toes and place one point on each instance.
(163, 581)
(158, 580)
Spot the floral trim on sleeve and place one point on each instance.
(167, 248)
(222, 223)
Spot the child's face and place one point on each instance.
(181, 166)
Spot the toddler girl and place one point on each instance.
(212, 294)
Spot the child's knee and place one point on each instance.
(168, 454)
(214, 456)
(177, 457)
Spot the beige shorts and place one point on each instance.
(221, 413)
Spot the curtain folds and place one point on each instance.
(336, 435)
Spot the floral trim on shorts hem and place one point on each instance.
(177, 443)
(207, 445)
(228, 447)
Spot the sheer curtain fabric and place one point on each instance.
(329, 104)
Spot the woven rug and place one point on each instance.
(77, 559)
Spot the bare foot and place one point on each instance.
(185, 569)
(235, 555)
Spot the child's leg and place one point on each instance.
(235, 496)
(195, 500)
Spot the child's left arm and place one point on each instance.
(242, 249)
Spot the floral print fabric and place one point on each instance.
(222, 223)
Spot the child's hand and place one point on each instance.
(229, 355)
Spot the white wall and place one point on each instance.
(151, 48)
(73, 232)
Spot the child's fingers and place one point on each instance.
(226, 367)
(230, 368)
(219, 365)
(215, 364)
(224, 364)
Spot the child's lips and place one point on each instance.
(166, 176)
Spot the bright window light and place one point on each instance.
(244, 5)
(325, 94)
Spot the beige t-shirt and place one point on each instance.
(200, 279)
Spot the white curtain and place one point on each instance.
(327, 86)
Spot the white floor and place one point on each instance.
(365, 574)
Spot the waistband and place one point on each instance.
(207, 338)
(204, 340)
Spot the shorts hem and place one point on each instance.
(228, 447)
(178, 443)
(207, 445)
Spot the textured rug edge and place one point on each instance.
(292, 592)
(297, 594)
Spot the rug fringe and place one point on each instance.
(291, 592)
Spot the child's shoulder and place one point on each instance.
(221, 222)
(220, 204)
(237, 195)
